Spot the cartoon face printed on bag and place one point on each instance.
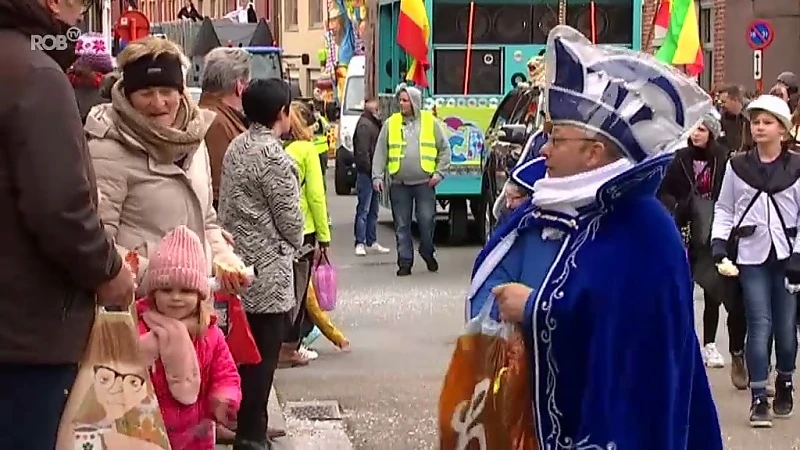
(119, 381)
(119, 387)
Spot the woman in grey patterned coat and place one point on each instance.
(259, 203)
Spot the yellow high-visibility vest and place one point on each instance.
(321, 135)
(396, 143)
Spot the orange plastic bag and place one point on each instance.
(486, 400)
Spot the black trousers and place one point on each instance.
(323, 162)
(736, 323)
(252, 420)
(302, 324)
(32, 401)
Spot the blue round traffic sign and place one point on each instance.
(760, 34)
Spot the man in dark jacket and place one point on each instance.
(364, 138)
(735, 127)
(57, 262)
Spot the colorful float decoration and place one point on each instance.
(343, 38)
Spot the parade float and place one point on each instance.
(476, 55)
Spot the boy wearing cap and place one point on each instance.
(755, 229)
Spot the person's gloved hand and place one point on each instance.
(719, 250)
(792, 288)
(793, 269)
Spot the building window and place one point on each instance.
(315, 13)
(290, 15)
(705, 19)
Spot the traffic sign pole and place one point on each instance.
(758, 64)
(760, 35)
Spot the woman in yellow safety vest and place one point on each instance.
(299, 144)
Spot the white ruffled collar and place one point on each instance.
(567, 194)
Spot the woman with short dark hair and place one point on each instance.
(259, 202)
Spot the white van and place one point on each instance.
(351, 105)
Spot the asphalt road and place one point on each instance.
(402, 332)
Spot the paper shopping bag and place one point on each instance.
(112, 405)
(486, 399)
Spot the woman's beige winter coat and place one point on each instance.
(143, 199)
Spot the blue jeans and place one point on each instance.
(421, 199)
(33, 399)
(366, 223)
(771, 311)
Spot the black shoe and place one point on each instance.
(759, 413)
(783, 404)
(244, 444)
(404, 271)
(431, 263)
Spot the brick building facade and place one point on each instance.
(728, 58)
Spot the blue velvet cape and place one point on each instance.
(610, 324)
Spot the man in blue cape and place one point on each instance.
(593, 268)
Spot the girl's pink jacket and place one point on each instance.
(191, 427)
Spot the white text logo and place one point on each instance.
(49, 42)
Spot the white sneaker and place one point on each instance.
(712, 357)
(378, 248)
(307, 353)
(361, 250)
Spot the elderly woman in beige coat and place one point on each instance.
(149, 157)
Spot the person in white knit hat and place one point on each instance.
(755, 229)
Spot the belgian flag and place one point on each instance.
(413, 36)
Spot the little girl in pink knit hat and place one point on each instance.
(194, 375)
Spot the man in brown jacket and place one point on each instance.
(56, 261)
(735, 127)
(225, 75)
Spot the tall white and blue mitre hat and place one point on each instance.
(645, 107)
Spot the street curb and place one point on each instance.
(278, 420)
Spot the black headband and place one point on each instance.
(163, 71)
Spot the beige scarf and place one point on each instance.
(165, 144)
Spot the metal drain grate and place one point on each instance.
(314, 410)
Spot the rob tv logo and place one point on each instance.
(50, 42)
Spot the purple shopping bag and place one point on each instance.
(324, 280)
